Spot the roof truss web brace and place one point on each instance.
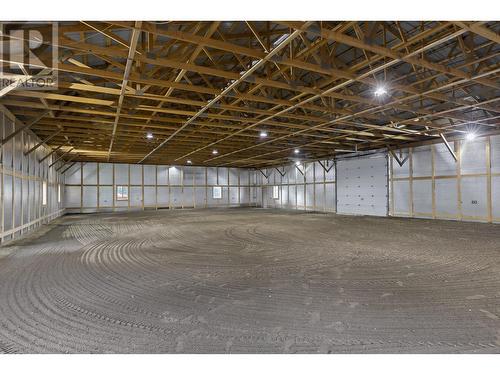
(42, 142)
(328, 167)
(66, 162)
(50, 153)
(263, 174)
(401, 162)
(23, 127)
(448, 146)
(300, 170)
(80, 165)
(60, 157)
(282, 173)
(64, 171)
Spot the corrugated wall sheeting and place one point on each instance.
(309, 186)
(92, 187)
(22, 178)
(432, 185)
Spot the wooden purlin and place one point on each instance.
(316, 94)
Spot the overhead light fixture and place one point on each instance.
(470, 136)
(149, 135)
(381, 90)
(263, 134)
(296, 150)
(189, 162)
(215, 152)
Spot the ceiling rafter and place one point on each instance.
(317, 93)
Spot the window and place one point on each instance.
(44, 193)
(276, 192)
(122, 193)
(59, 193)
(217, 192)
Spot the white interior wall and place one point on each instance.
(21, 179)
(91, 187)
(432, 185)
(305, 187)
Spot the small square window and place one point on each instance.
(122, 193)
(44, 193)
(276, 192)
(217, 192)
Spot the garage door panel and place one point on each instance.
(362, 186)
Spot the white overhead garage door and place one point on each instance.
(362, 187)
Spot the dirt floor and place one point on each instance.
(251, 281)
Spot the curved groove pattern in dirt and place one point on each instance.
(249, 280)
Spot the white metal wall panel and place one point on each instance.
(188, 197)
(90, 173)
(175, 196)
(105, 196)
(446, 197)
(212, 176)
(292, 196)
(300, 197)
(121, 174)
(105, 174)
(174, 176)
(149, 175)
(150, 195)
(74, 175)
(319, 194)
(331, 197)
(162, 175)
(17, 198)
(7, 202)
(135, 196)
(495, 153)
(404, 170)
(188, 176)
(200, 197)
(135, 174)
(89, 196)
(244, 193)
(495, 197)
(310, 196)
(244, 179)
(422, 197)
(162, 196)
(26, 201)
(233, 195)
(362, 185)
(233, 176)
(73, 196)
(473, 156)
(199, 176)
(401, 197)
(422, 161)
(444, 163)
(474, 202)
(222, 176)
